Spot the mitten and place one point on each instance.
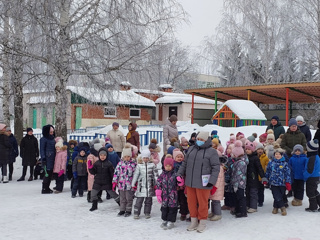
(75, 175)
(158, 194)
(180, 181)
(90, 165)
(114, 184)
(288, 186)
(60, 173)
(213, 190)
(264, 181)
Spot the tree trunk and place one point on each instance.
(6, 74)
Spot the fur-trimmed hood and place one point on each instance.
(46, 131)
(140, 161)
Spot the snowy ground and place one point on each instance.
(27, 214)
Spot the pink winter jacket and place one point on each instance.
(219, 194)
(90, 176)
(60, 161)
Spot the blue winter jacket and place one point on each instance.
(297, 164)
(312, 167)
(113, 157)
(48, 151)
(278, 172)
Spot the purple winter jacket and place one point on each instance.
(167, 183)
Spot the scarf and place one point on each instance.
(129, 134)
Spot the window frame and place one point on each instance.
(108, 115)
(134, 116)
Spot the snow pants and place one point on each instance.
(182, 199)
(216, 207)
(147, 205)
(312, 192)
(126, 200)
(241, 206)
(278, 192)
(298, 189)
(252, 197)
(79, 185)
(169, 214)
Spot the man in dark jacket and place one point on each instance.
(29, 152)
(276, 126)
(47, 153)
(5, 147)
(14, 152)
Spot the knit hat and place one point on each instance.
(145, 154)
(170, 150)
(237, 150)
(215, 141)
(252, 137)
(313, 145)
(297, 147)
(177, 152)
(59, 144)
(168, 161)
(250, 145)
(135, 150)
(173, 118)
(2, 126)
(214, 132)
(72, 142)
(115, 124)
(103, 152)
(278, 149)
(97, 146)
(299, 118)
(240, 135)
(152, 146)
(259, 146)
(232, 137)
(82, 149)
(215, 136)
(8, 128)
(270, 136)
(293, 121)
(29, 129)
(276, 118)
(203, 135)
(220, 150)
(127, 150)
(263, 137)
(193, 135)
(108, 145)
(183, 141)
(270, 151)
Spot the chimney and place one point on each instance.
(166, 88)
(124, 86)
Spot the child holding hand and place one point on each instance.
(167, 195)
(60, 165)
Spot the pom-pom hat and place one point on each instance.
(237, 150)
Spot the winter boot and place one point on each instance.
(252, 210)
(194, 224)
(210, 215)
(183, 217)
(89, 197)
(311, 210)
(283, 211)
(30, 179)
(170, 225)
(121, 213)
(94, 205)
(127, 214)
(202, 225)
(164, 225)
(215, 218)
(5, 179)
(99, 199)
(275, 210)
(296, 202)
(20, 179)
(45, 189)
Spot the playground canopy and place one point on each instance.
(286, 93)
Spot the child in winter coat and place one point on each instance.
(79, 170)
(122, 179)
(254, 169)
(264, 160)
(154, 150)
(113, 157)
(297, 164)
(60, 164)
(167, 194)
(239, 178)
(145, 177)
(182, 199)
(71, 146)
(311, 175)
(218, 195)
(184, 145)
(229, 200)
(93, 157)
(278, 175)
(103, 172)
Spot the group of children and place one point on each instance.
(246, 168)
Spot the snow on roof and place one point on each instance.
(41, 99)
(125, 83)
(118, 97)
(244, 109)
(167, 85)
(181, 97)
(154, 92)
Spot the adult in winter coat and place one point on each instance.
(317, 135)
(144, 177)
(169, 131)
(48, 154)
(200, 169)
(5, 148)
(303, 127)
(133, 136)
(292, 137)
(117, 138)
(29, 152)
(276, 126)
(13, 153)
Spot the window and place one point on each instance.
(135, 113)
(110, 111)
(154, 113)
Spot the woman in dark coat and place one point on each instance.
(5, 147)
(14, 152)
(317, 135)
(29, 152)
(47, 153)
(133, 136)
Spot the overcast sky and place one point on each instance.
(205, 15)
